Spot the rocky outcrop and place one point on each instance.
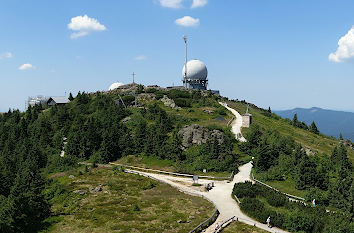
(197, 134)
(169, 102)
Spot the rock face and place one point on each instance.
(197, 134)
(169, 102)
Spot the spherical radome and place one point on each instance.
(115, 86)
(195, 70)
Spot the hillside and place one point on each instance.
(315, 143)
(329, 122)
(171, 129)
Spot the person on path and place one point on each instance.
(314, 203)
(268, 221)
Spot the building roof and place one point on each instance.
(59, 99)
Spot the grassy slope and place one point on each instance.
(238, 227)
(185, 116)
(112, 210)
(317, 143)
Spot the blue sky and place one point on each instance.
(271, 53)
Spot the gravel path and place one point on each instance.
(220, 195)
(236, 124)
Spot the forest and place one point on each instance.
(91, 124)
(326, 178)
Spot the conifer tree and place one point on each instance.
(295, 121)
(313, 128)
(71, 98)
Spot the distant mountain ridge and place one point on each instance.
(329, 122)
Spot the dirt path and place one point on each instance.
(220, 195)
(236, 124)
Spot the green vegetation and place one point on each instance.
(239, 227)
(317, 143)
(36, 194)
(280, 159)
(127, 203)
(260, 202)
(95, 128)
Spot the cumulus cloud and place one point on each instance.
(187, 21)
(171, 3)
(345, 50)
(84, 25)
(199, 3)
(140, 57)
(26, 66)
(6, 55)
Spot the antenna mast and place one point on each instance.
(185, 60)
(133, 74)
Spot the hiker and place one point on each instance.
(314, 203)
(268, 221)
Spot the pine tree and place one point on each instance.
(269, 110)
(295, 121)
(306, 174)
(71, 98)
(28, 204)
(313, 128)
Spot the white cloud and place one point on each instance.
(199, 3)
(171, 3)
(26, 66)
(140, 57)
(345, 50)
(187, 21)
(6, 55)
(84, 25)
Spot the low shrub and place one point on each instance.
(242, 190)
(136, 208)
(275, 199)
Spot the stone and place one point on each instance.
(208, 111)
(169, 102)
(81, 192)
(197, 134)
(71, 177)
(98, 188)
(126, 120)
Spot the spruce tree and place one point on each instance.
(28, 204)
(295, 121)
(71, 98)
(313, 128)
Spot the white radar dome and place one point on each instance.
(115, 86)
(195, 70)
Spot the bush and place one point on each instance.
(136, 208)
(180, 102)
(320, 196)
(254, 208)
(275, 199)
(221, 111)
(148, 185)
(242, 190)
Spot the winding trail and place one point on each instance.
(236, 124)
(220, 194)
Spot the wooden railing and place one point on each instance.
(286, 194)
